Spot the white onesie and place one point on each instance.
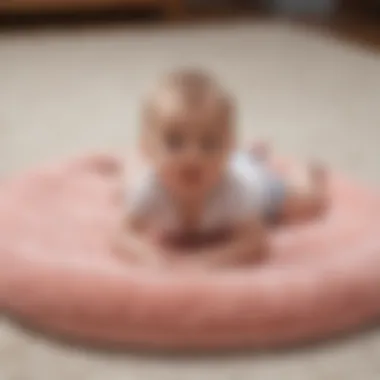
(247, 188)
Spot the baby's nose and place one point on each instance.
(193, 153)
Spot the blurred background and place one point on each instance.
(357, 19)
(306, 76)
(73, 64)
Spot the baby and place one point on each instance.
(196, 182)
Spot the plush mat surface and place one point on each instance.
(57, 270)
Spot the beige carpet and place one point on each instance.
(64, 92)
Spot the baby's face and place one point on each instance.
(189, 146)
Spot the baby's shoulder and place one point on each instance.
(235, 197)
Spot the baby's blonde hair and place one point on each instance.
(192, 86)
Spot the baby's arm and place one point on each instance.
(248, 241)
(248, 244)
(132, 240)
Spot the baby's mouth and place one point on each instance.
(191, 175)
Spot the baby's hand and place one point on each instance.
(138, 248)
(153, 259)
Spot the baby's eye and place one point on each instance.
(174, 140)
(210, 144)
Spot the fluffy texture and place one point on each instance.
(58, 272)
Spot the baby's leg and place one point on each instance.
(288, 196)
(305, 195)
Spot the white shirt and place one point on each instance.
(241, 193)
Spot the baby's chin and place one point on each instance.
(187, 186)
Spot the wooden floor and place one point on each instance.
(360, 28)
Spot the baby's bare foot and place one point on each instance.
(318, 173)
(260, 150)
(318, 187)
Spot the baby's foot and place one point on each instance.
(318, 186)
(102, 163)
(260, 151)
(318, 175)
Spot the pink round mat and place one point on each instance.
(57, 271)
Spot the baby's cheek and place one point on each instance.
(213, 172)
(169, 177)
